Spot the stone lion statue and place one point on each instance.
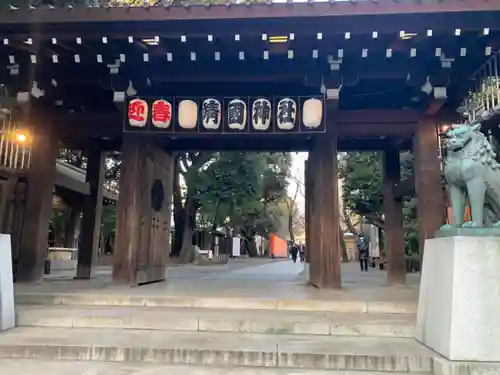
(472, 172)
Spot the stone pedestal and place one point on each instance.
(7, 315)
(459, 304)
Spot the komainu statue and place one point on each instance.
(472, 172)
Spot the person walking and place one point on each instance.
(293, 252)
(302, 252)
(363, 252)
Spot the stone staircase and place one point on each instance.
(119, 335)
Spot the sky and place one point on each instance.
(298, 160)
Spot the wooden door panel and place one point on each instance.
(156, 197)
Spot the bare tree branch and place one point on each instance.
(375, 220)
(348, 222)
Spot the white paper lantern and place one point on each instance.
(161, 115)
(237, 114)
(261, 114)
(286, 114)
(138, 113)
(211, 114)
(188, 114)
(312, 113)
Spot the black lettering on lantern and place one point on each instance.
(286, 111)
(211, 111)
(236, 114)
(262, 112)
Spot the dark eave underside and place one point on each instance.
(369, 77)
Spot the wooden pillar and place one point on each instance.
(307, 207)
(325, 254)
(393, 213)
(73, 224)
(428, 187)
(38, 207)
(142, 243)
(92, 212)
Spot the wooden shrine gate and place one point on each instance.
(387, 73)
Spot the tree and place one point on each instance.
(187, 166)
(363, 192)
(291, 206)
(239, 191)
(362, 189)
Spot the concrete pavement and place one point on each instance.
(31, 367)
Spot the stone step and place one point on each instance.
(339, 305)
(217, 349)
(216, 320)
(35, 367)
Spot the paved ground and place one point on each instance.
(30, 367)
(247, 278)
(120, 315)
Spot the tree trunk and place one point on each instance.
(345, 255)
(291, 209)
(290, 224)
(349, 224)
(187, 250)
(252, 247)
(179, 213)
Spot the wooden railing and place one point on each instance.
(485, 94)
(13, 154)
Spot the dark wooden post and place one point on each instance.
(307, 207)
(428, 187)
(325, 254)
(142, 243)
(393, 212)
(74, 223)
(92, 212)
(38, 207)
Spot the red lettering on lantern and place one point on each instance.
(162, 113)
(137, 112)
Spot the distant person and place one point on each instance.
(363, 253)
(293, 252)
(302, 252)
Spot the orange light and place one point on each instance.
(21, 138)
(445, 128)
(278, 39)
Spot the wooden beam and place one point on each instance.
(226, 71)
(257, 10)
(363, 122)
(372, 130)
(434, 106)
(378, 116)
